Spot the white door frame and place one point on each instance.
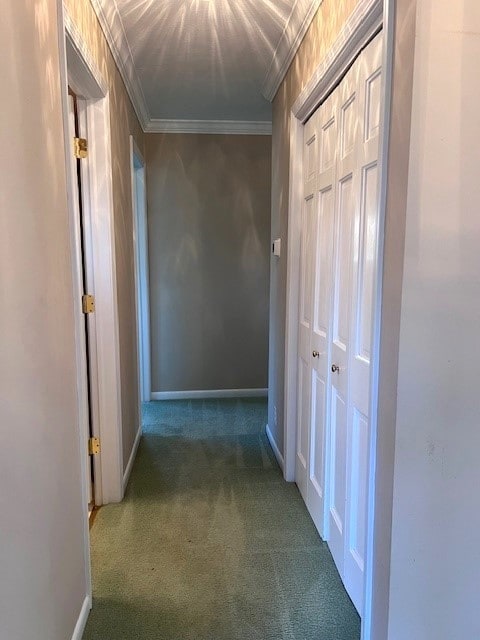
(78, 69)
(365, 21)
(142, 290)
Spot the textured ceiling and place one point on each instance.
(204, 59)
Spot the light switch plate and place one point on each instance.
(277, 247)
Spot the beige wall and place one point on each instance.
(123, 122)
(325, 27)
(209, 245)
(42, 577)
(435, 562)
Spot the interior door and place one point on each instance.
(364, 267)
(337, 275)
(307, 244)
(325, 122)
(78, 205)
(346, 186)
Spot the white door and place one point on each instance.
(307, 244)
(338, 236)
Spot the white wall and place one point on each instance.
(42, 569)
(435, 562)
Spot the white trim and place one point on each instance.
(293, 278)
(209, 393)
(361, 26)
(302, 14)
(82, 619)
(374, 553)
(131, 460)
(275, 448)
(112, 27)
(98, 207)
(235, 127)
(142, 287)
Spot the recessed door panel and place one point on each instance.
(328, 145)
(366, 263)
(303, 413)
(343, 263)
(306, 271)
(317, 456)
(337, 488)
(372, 105)
(358, 494)
(310, 158)
(348, 126)
(323, 262)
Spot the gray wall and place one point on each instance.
(209, 245)
(42, 565)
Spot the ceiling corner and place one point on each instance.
(302, 14)
(112, 27)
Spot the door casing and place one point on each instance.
(78, 70)
(142, 297)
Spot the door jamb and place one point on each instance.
(365, 21)
(142, 298)
(78, 69)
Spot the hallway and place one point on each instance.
(210, 543)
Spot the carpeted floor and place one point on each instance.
(210, 543)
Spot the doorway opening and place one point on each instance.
(140, 238)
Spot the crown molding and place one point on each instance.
(302, 14)
(112, 27)
(364, 22)
(236, 127)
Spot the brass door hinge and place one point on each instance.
(88, 303)
(80, 148)
(93, 446)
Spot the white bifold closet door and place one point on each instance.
(337, 272)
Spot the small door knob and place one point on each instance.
(335, 368)
(315, 354)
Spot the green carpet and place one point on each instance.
(210, 543)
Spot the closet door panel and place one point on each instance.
(327, 134)
(364, 272)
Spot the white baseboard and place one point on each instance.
(82, 619)
(131, 460)
(276, 450)
(207, 393)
